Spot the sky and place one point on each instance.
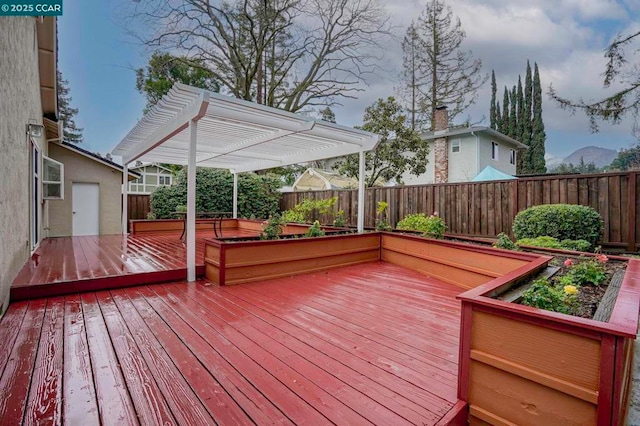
(566, 38)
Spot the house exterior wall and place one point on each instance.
(78, 168)
(149, 181)
(502, 163)
(463, 165)
(427, 177)
(19, 103)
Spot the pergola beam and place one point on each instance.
(193, 111)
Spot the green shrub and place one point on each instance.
(504, 242)
(431, 226)
(575, 245)
(587, 273)
(272, 228)
(304, 211)
(550, 242)
(561, 221)
(543, 295)
(258, 195)
(315, 230)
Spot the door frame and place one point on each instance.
(73, 183)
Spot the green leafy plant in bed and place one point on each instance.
(431, 226)
(315, 230)
(504, 242)
(339, 220)
(305, 211)
(544, 295)
(272, 228)
(382, 224)
(591, 272)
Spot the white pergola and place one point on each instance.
(198, 128)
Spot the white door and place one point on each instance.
(86, 208)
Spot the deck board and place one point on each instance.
(321, 348)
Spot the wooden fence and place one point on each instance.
(485, 209)
(138, 206)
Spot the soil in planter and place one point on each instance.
(588, 297)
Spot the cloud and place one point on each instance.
(566, 38)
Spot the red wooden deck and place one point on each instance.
(372, 343)
(66, 265)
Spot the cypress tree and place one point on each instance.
(521, 112)
(505, 112)
(513, 114)
(538, 136)
(492, 107)
(525, 138)
(498, 117)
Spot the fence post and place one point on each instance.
(633, 193)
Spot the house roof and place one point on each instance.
(234, 134)
(150, 165)
(331, 179)
(489, 173)
(95, 157)
(475, 129)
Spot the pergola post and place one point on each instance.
(191, 201)
(361, 186)
(125, 197)
(235, 195)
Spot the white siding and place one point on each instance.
(502, 163)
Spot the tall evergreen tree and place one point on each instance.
(538, 135)
(526, 118)
(72, 133)
(492, 108)
(411, 75)
(521, 111)
(498, 117)
(448, 74)
(513, 113)
(328, 115)
(505, 112)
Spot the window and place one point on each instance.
(512, 156)
(495, 149)
(165, 180)
(52, 179)
(455, 145)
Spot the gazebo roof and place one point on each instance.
(234, 134)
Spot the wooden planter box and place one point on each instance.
(522, 365)
(236, 262)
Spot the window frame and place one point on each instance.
(455, 143)
(45, 183)
(495, 151)
(512, 156)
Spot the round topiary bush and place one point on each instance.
(561, 221)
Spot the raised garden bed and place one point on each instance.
(524, 365)
(230, 225)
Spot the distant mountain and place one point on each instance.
(592, 154)
(552, 161)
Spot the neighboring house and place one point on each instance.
(318, 180)
(459, 155)
(92, 193)
(36, 185)
(151, 177)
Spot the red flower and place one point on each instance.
(603, 258)
(568, 263)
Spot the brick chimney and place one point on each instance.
(440, 146)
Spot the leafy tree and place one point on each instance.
(580, 168)
(401, 149)
(445, 74)
(624, 101)
(164, 69)
(627, 159)
(328, 115)
(282, 53)
(66, 113)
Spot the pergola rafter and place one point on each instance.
(195, 127)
